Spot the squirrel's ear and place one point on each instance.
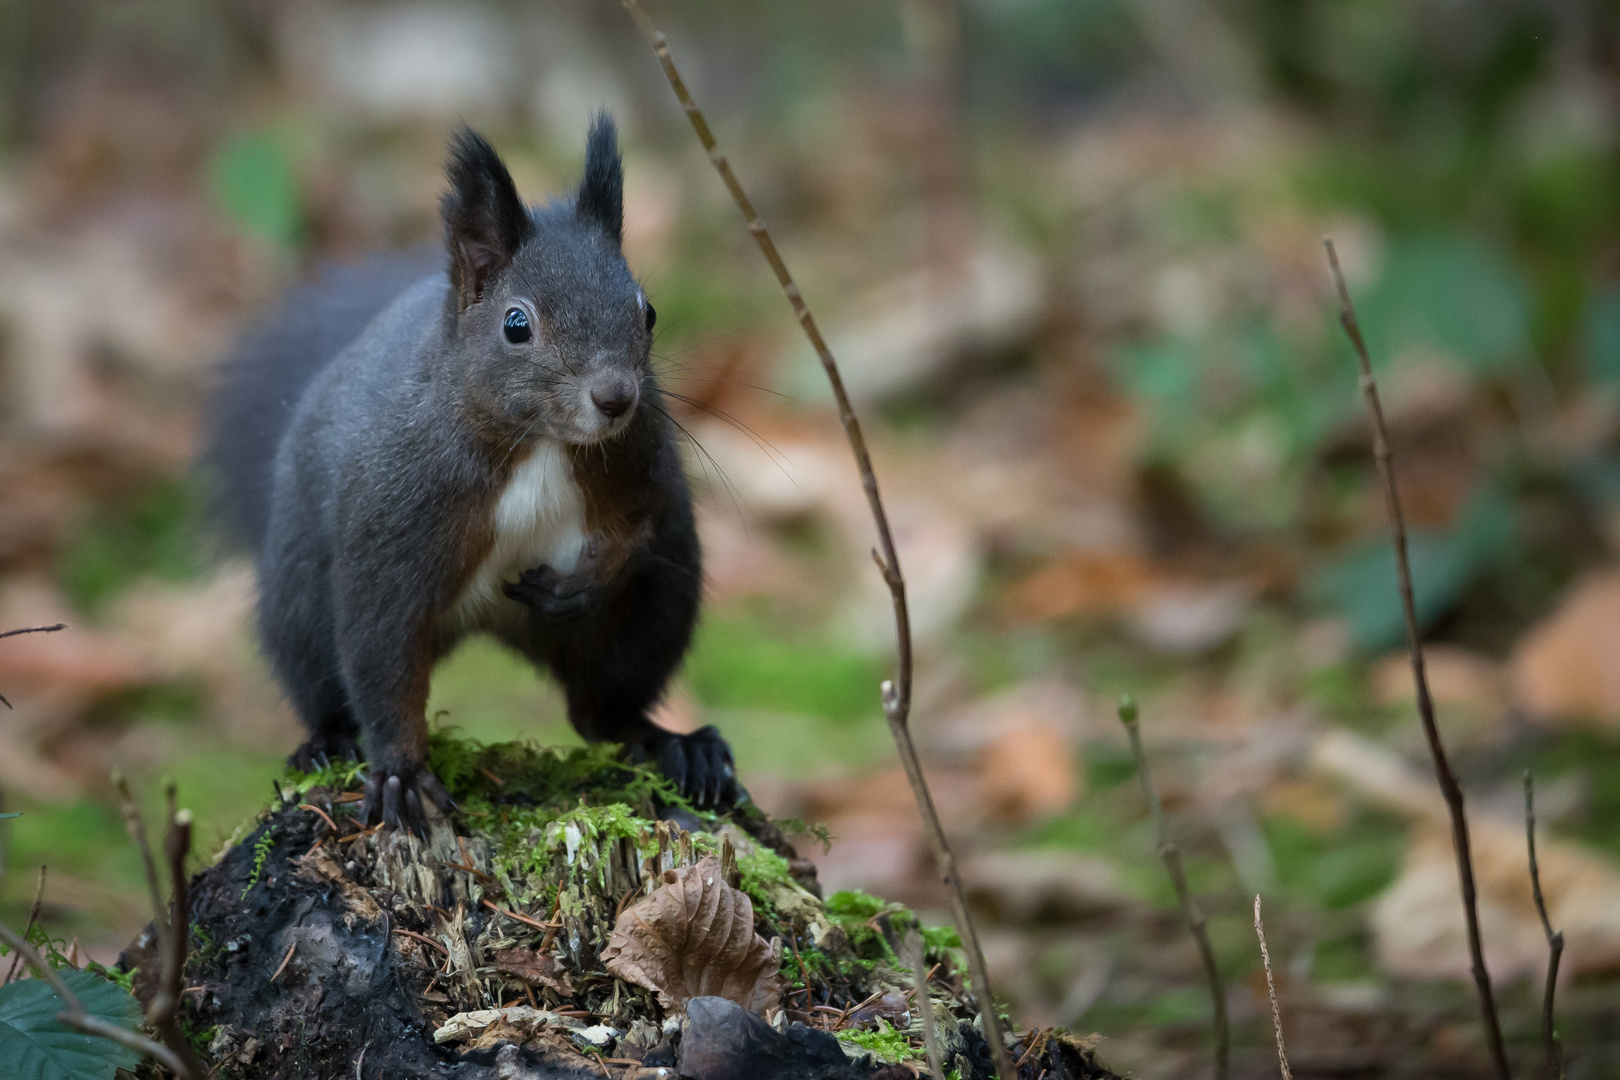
(483, 216)
(601, 193)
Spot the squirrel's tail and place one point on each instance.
(263, 377)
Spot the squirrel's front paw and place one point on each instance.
(396, 798)
(699, 763)
(552, 595)
(321, 750)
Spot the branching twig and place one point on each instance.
(896, 694)
(29, 630)
(1442, 767)
(1189, 907)
(74, 1016)
(1271, 990)
(1555, 939)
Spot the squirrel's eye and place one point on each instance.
(516, 326)
(652, 316)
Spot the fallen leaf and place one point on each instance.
(1028, 771)
(891, 1007)
(1418, 921)
(1083, 584)
(1567, 667)
(1183, 619)
(1043, 886)
(694, 937)
(1457, 677)
(534, 968)
(526, 1019)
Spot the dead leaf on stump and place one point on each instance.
(694, 937)
(534, 968)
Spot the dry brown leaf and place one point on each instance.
(1083, 584)
(1457, 678)
(1568, 665)
(1417, 922)
(1028, 771)
(694, 937)
(534, 968)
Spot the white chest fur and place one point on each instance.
(539, 520)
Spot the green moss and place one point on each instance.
(337, 775)
(884, 1043)
(761, 871)
(863, 918)
(261, 854)
(483, 775)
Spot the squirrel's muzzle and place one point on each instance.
(614, 397)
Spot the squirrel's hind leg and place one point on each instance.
(315, 689)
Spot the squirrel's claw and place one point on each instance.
(398, 805)
(700, 764)
(553, 595)
(321, 750)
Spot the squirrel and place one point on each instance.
(417, 452)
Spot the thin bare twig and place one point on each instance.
(135, 825)
(1271, 990)
(29, 630)
(28, 928)
(1442, 766)
(35, 630)
(912, 945)
(896, 694)
(74, 1016)
(1555, 938)
(164, 1012)
(1178, 877)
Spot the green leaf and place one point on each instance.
(1362, 585)
(1600, 337)
(35, 1046)
(1452, 294)
(253, 181)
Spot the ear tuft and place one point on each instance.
(601, 193)
(485, 221)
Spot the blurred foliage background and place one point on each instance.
(1069, 253)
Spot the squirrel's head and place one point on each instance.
(553, 330)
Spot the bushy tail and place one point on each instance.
(263, 377)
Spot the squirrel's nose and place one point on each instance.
(614, 399)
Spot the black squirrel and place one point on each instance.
(418, 452)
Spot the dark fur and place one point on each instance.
(387, 472)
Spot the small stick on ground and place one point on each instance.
(285, 960)
(28, 928)
(896, 694)
(1189, 907)
(1442, 766)
(1271, 990)
(1555, 939)
(74, 1016)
